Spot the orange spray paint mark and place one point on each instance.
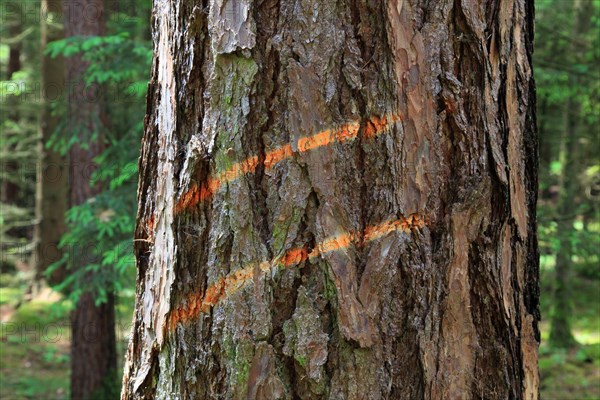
(250, 165)
(347, 131)
(295, 256)
(199, 193)
(197, 304)
(377, 125)
(149, 228)
(279, 154)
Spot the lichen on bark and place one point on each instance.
(352, 207)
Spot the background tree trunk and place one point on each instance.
(560, 332)
(10, 189)
(337, 201)
(53, 181)
(93, 346)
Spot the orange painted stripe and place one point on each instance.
(199, 193)
(295, 256)
(197, 304)
(347, 131)
(250, 165)
(279, 154)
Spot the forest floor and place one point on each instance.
(34, 343)
(35, 339)
(575, 373)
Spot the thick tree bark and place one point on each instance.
(52, 182)
(337, 201)
(93, 346)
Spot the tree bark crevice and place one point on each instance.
(361, 205)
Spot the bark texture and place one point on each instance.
(93, 345)
(337, 201)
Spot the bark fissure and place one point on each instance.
(359, 211)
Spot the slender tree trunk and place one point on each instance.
(93, 346)
(53, 181)
(10, 188)
(560, 332)
(93, 350)
(337, 201)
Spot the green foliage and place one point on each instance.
(18, 128)
(35, 352)
(569, 374)
(568, 82)
(112, 59)
(568, 87)
(101, 230)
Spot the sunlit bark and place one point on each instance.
(337, 201)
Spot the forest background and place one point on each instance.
(93, 252)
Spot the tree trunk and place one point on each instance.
(93, 350)
(52, 182)
(93, 346)
(337, 201)
(10, 189)
(560, 332)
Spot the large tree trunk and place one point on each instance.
(52, 181)
(337, 201)
(93, 346)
